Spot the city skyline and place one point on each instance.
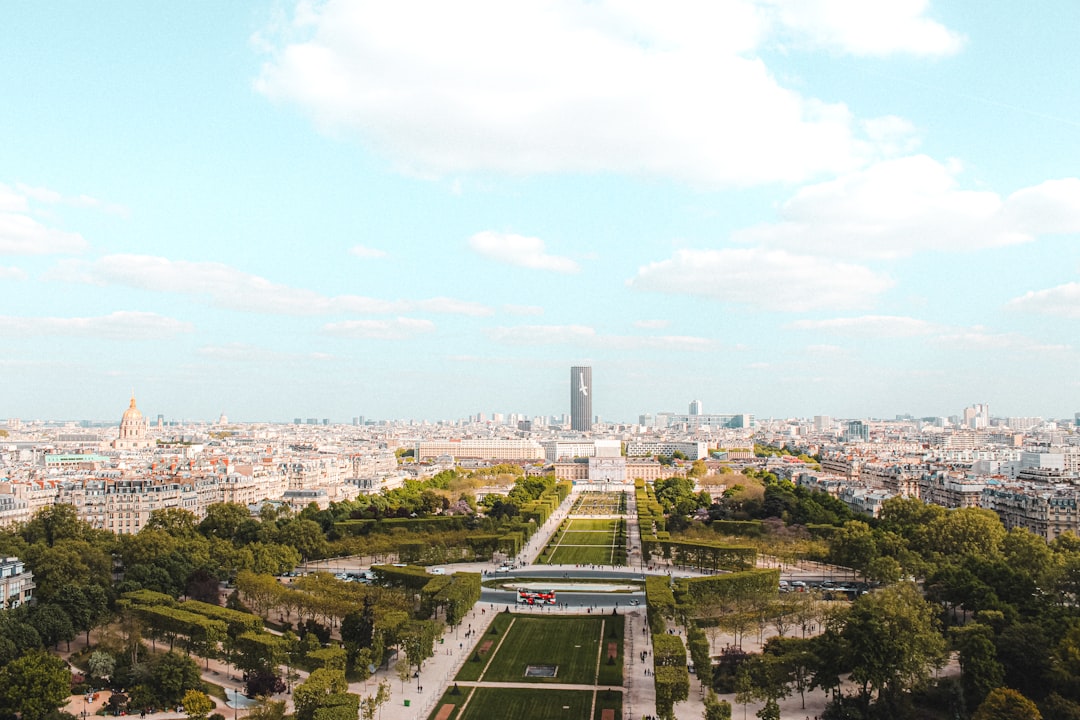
(420, 211)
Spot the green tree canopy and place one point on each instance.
(1006, 704)
(892, 642)
(34, 685)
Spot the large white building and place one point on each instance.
(481, 448)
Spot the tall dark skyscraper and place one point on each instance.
(581, 398)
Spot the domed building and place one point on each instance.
(133, 430)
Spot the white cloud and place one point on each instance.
(526, 310)
(542, 334)
(980, 339)
(906, 205)
(23, 235)
(881, 326)
(866, 27)
(955, 338)
(585, 336)
(825, 350)
(521, 251)
(673, 89)
(12, 273)
(652, 324)
(12, 201)
(769, 279)
(52, 197)
(658, 342)
(1060, 301)
(228, 287)
(401, 328)
(244, 352)
(1051, 207)
(362, 251)
(120, 325)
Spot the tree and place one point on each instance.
(267, 709)
(86, 605)
(52, 623)
(1006, 704)
(893, 642)
(304, 535)
(54, 523)
(197, 705)
(311, 694)
(34, 685)
(172, 675)
(853, 546)
(223, 520)
(910, 518)
(797, 657)
(769, 711)
(177, 522)
(968, 532)
(979, 667)
(715, 708)
(370, 704)
(404, 672)
(101, 665)
(763, 677)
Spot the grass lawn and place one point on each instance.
(584, 542)
(516, 704)
(613, 633)
(455, 700)
(572, 643)
(588, 524)
(588, 537)
(588, 555)
(472, 668)
(606, 700)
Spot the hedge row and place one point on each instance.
(659, 602)
(728, 589)
(670, 675)
(700, 555)
(237, 622)
(745, 528)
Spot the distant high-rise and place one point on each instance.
(581, 398)
(696, 407)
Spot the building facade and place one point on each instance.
(581, 389)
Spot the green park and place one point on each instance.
(921, 612)
(581, 541)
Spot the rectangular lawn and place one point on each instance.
(571, 643)
(518, 704)
(587, 555)
(587, 537)
(472, 667)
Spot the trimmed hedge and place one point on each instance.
(236, 621)
(730, 588)
(410, 577)
(745, 528)
(149, 597)
(659, 602)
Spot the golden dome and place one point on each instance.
(132, 413)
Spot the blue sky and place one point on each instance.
(428, 210)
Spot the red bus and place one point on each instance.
(536, 597)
